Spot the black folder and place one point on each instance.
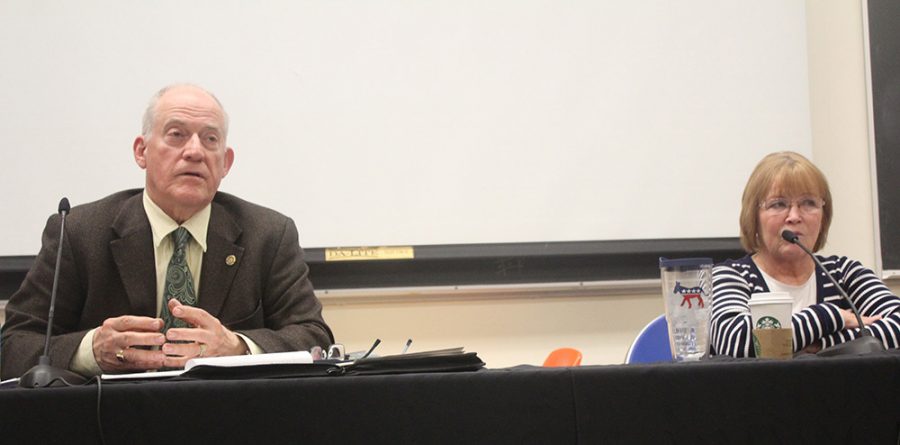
(445, 360)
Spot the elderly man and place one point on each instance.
(152, 278)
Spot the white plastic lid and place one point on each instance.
(771, 297)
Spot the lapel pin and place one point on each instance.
(230, 260)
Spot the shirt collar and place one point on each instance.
(162, 225)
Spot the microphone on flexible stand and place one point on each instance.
(863, 344)
(43, 374)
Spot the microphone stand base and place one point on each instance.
(43, 375)
(861, 345)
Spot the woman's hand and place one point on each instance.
(850, 319)
(814, 348)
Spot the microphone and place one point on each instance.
(863, 344)
(43, 374)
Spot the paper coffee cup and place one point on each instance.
(771, 310)
(772, 330)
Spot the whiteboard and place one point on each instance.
(417, 122)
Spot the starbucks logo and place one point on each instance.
(768, 323)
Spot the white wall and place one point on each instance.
(509, 332)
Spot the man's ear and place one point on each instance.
(229, 159)
(140, 151)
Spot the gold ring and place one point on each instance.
(120, 355)
(202, 349)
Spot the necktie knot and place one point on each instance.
(181, 237)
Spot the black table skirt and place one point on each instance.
(806, 400)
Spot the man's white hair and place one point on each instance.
(150, 112)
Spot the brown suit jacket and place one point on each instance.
(108, 269)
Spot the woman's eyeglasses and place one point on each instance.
(806, 204)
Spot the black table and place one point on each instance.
(805, 400)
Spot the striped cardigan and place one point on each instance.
(735, 281)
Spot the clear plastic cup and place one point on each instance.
(687, 292)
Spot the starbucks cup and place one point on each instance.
(772, 331)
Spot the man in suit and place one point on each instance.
(152, 278)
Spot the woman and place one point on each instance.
(786, 191)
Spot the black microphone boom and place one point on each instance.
(43, 374)
(863, 344)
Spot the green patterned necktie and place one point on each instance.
(179, 282)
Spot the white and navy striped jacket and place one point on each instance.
(735, 281)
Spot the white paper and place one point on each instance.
(275, 358)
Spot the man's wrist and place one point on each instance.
(84, 362)
(252, 347)
(242, 346)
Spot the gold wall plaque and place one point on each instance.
(369, 253)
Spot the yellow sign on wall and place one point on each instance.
(369, 253)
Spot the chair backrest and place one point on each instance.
(563, 357)
(651, 344)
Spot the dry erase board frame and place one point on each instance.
(464, 264)
(883, 28)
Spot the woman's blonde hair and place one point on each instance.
(790, 174)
